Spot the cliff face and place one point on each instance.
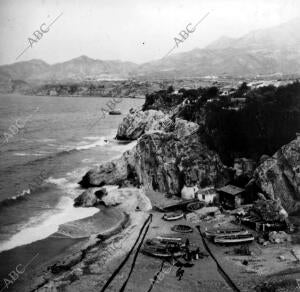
(279, 176)
(166, 162)
(167, 157)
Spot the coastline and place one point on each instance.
(106, 244)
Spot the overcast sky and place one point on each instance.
(128, 30)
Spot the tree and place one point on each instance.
(170, 89)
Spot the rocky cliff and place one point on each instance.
(279, 176)
(168, 156)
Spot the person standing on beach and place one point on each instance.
(179, 273)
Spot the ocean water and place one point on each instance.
(58, 140)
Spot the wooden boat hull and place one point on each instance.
(114, 113)
(194, 206)
(182, 229)
(172, 217)
(233, 240)
(212, 234)
(161, 254)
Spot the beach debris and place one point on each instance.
(243, 250)
(173, 216)
(279, 237)
(182, 229)
(205, 213)
(281, 257)
(208, 211)
(245, 262)
(192, 217)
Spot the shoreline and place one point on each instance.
(102, 243)
(70, 261)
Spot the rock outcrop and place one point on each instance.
(137, 122)
(279, 176)
(269, 210)
(244, 167)
(167, 163)
(113, 172)
(184, 128)
(163, 161)
(86, 199)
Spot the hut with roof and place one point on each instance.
(231, 196)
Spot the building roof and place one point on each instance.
(207, 191)
(231, 190)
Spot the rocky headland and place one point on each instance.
(174, 152)
(182, 145)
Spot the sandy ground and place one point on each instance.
(102, 260)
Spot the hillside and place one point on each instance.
(274, 50)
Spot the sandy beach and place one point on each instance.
(99, 259)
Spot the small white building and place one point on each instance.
(188, 193)
(207, 194)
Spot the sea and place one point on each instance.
(47, 143)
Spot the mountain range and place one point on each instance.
(274, 50)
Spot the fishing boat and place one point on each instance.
(169, 239)
(212, 233)
(234, 239)
(182, 228)
(115, 112)
(161, 252)
(195, 206)
(173, 216)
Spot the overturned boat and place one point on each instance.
(182, 229)
(195, 206)
(173, 216)
(212, 233)
(234, 238)
(115, 112)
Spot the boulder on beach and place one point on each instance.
(86, 199)
(110, 173)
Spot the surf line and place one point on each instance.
(115, 273)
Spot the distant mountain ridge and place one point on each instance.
(274, 50)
